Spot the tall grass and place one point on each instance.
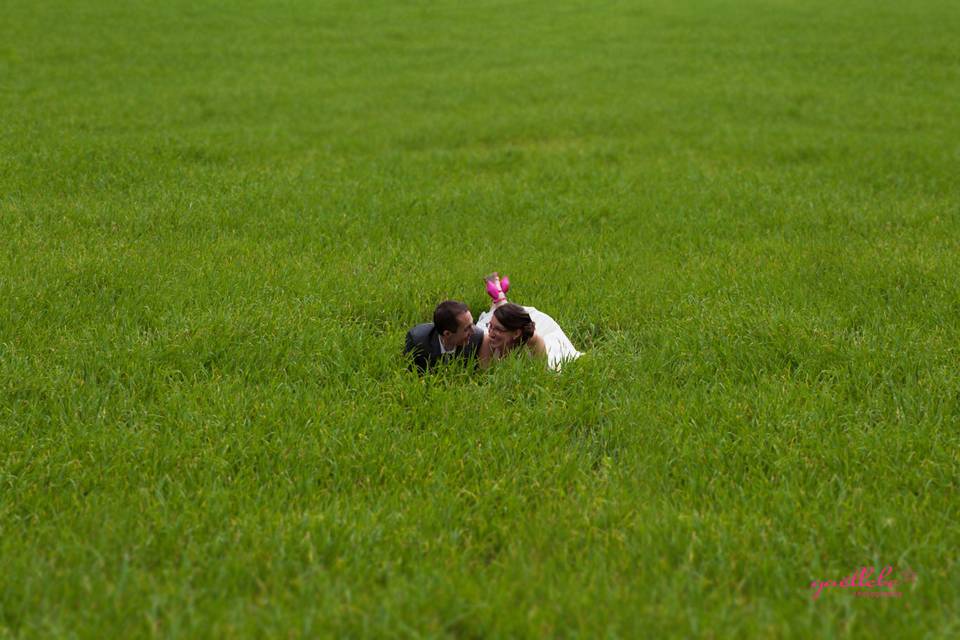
(218, 220)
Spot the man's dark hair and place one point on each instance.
(445, 315)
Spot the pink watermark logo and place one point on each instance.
(883, 586)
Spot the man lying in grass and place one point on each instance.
(452, 334)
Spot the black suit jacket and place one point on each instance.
(423, 343)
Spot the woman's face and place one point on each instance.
(500, 337)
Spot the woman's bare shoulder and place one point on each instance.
(537, 345)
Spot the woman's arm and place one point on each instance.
(485, 352)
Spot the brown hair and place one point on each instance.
(513, 317)
(445, 315)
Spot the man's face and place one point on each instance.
(464, 330)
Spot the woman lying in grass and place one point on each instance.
(509, 326)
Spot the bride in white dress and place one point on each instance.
(508, 326)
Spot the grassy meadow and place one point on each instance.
(219, 219)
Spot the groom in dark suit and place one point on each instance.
(452, 334)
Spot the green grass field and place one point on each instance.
(219, 219)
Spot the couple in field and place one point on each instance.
(504, 328)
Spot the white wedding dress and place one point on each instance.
(559, 347)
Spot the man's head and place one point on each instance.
(453, 322)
